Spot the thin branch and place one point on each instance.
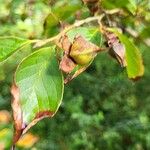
(113, 11)
(76, 24)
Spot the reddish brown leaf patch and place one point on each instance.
(17, 113)
(81, 45)
(83, 51)
(66, 64)
(19, 126)
(44, 113)
(65, 44)
(117, 49)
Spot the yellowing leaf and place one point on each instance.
(4, 116)
(5, 138)
(3, 133)
(27, 141)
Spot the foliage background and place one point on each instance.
(101, 109)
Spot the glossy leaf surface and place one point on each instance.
(9, 45)
(40, 84)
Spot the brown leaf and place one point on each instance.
(66, 64)
(17, 113)
(77, 72)
(65, 44)
(117, 49)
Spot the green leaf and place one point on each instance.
(111, 4)
(145, 32)
(9, 45)
(5, 137)
(51, 25)
(91, 34)
(52, 21)
(132, 6)
(135, 67)
(40, 84)
(66, 11)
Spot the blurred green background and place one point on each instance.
(101, 109)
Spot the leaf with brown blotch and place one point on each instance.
(83, 51)
(133, 57)
(117, 49)
(38, 90)
(80, 52)
(85, 44)
(17, 113)
(135, 67)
